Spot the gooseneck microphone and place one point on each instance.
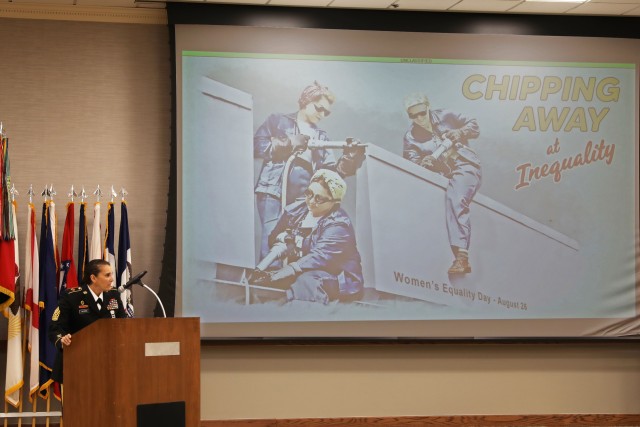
(138, 279)
(135, 279)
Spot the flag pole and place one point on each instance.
(23, 328)
(25, 331)
(35, 406)
(6, 407)
(48, 407)
(31, 314)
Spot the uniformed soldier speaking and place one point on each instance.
(80, 307)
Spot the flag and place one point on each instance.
(48, 294)
(31, 300)
(7, 249)
(83, 242)
(4, 144)
(109, 251)
(68, 277)
(14, 376)
(7, 273)
(124, 259)
(95, 251)
(6, 211)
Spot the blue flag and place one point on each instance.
(124, 258)
(83, 242)
(48, 294)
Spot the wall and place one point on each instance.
(268, 382)
(88, 103)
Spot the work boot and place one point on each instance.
(461, 264)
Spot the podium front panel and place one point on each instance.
(109, 370)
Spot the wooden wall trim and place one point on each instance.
(457, 420)
(454, 420)
(121, 15)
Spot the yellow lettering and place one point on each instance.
(605, 93)
(550, 85)
(584, 89)
(577, 120)
(553, 118)
(597, 118)
(527, 119)
(530, 85)
(494, 86)
(467, 92)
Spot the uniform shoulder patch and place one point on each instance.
(74, 290)
(56, 314)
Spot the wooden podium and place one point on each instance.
(132, 372)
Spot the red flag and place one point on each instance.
(7, 249)
(68, 276)
(7, 273)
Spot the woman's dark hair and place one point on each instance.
(93, 268)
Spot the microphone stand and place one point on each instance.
(156, 295)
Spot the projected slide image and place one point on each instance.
(320, 188)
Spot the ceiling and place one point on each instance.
(593, 7)
(152, 11)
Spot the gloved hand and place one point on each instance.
(354, 149)
(299, 142)
(280, 148)
(454, 135)
(284, 273)
(352, 157)
(428, 162)
(436, 165)
(259, 277)
(284, 237)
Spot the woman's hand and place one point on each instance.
(66, 340)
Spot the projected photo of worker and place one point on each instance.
(439, 141)
(316, 238)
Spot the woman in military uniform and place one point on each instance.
(80, 307)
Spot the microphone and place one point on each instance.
(135, 279)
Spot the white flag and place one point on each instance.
(31, 302)
(14, 379)
(95, 251)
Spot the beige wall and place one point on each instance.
(310, 381)
(89, 103)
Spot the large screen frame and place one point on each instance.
(256, 17)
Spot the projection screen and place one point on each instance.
(540, 188)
